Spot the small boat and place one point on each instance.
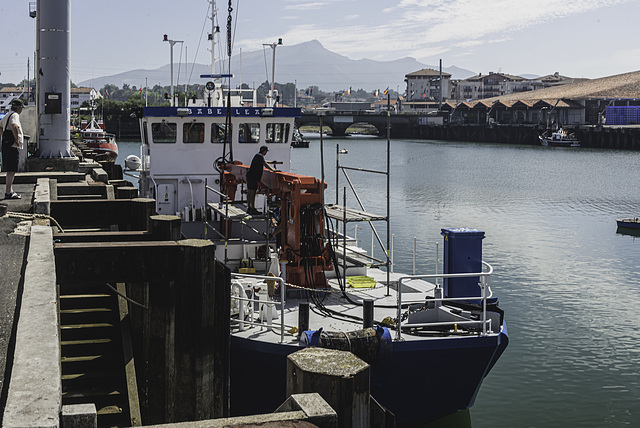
(559, 138)
(97, 139)
(629, 223)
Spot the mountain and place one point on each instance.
(309, 64)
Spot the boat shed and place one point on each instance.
(582, 103)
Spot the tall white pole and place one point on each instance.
(213, 36)
(171, 43)
(54, 102)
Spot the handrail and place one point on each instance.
(283, 292)
(484, 284)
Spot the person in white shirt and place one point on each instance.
(12, 140)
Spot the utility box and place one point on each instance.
(53, 102)
(462, 254)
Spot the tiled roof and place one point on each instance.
(625, 85)
(427, 72)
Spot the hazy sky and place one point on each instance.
(578, 38)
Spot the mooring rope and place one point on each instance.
(25, 216)
(128, 299)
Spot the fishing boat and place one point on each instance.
(629, 223)
(299, 280)
(95, 137)
(558, 138)
(431, 339)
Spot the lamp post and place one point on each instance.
(171, 43)
(273, 70)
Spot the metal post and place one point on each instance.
(367, 313)
(303, 317)
(388, 185)
(337, 161)
(171, 43)
(393, 243)
(344, 236)
(414, 256)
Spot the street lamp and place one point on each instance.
(273, 70)
(171, 43)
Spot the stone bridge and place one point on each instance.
(339, 121)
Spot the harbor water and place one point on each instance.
(568, 282)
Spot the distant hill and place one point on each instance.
(309, 63)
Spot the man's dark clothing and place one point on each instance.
(254, 175)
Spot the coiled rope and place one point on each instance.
(25, 216)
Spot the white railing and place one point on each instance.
(483, 284)
(268, 303)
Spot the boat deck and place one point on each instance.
(385, 299)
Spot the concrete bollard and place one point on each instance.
(79, 416)
(126, 192)
(42, 198)
(340, 377)
(165, 227)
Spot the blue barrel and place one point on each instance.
(462, 254)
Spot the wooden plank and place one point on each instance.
(129, 362)
(233, 212)
(337, 212)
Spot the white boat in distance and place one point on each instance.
(559, 138)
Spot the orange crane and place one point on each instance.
(301, 222)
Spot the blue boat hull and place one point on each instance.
(420, 381)
(629, 223)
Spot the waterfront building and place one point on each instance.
(423, 89)
(563, 102)
(80, 95)
(9, 93)
(490, 85)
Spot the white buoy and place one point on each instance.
(132, 162)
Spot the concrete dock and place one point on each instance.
(30, 337)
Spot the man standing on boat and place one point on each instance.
(12, 140)
(254, 175)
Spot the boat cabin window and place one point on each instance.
(277, 133)
(217, 132)
(164, 132)
(249, 133)
(193, 132)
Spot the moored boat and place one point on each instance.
(629, 223)
(558, 138)
(299, 281)
(96, 138)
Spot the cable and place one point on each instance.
(199, 41)
(25, 216)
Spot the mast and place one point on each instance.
(212, 35)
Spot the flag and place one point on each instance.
(386, 91)
(376, 92)
(310, 91)
(107, 93)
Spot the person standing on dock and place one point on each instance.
(12, 140)
(254, 175)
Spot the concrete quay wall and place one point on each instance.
(599, 137)
(34, 397)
